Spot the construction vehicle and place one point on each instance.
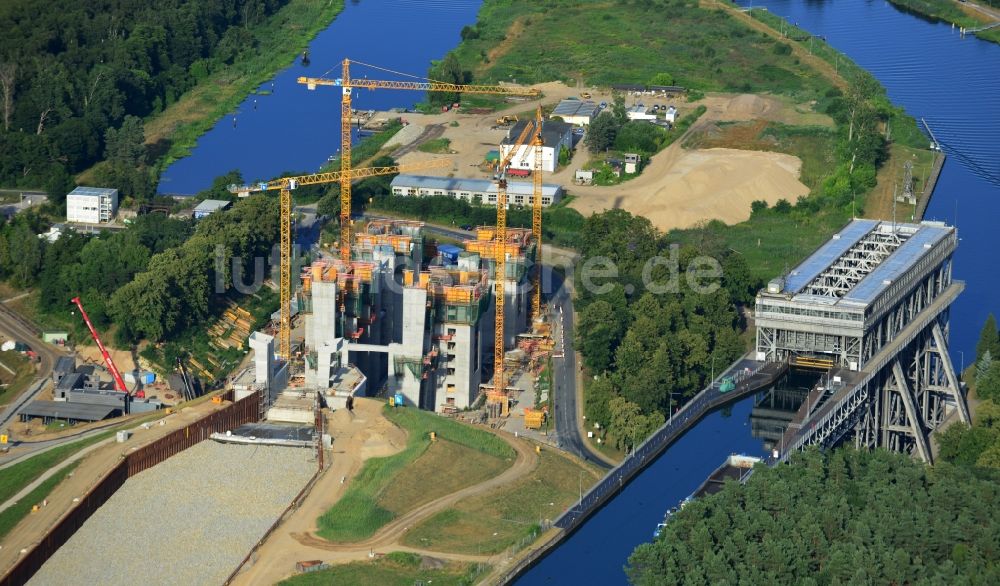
(585, 95)
(507, 119)
(347, 84)
(286, 185)
(115, 374)
(727, 385)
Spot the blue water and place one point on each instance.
(927, 68)
(294, 129)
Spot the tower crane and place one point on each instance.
(286, 185)
(536, 219)
(347, 83)
(115, 374)
(499, 393)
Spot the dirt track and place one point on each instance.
(364, 436)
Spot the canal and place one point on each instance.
(932, 72)
(286, 128)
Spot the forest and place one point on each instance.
(650, 346)
(76, 81)
(153, 279)
(840, 517)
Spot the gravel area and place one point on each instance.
(188, 520)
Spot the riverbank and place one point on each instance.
(172, 133)
(968, 15)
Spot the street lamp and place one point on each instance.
(670, 406)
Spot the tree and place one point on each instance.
(448, 70)
(989, 339)
(8, 79)
(597, 335)
(25, 254)
(662, 79)
(602, 132)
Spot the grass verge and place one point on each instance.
(394, 569)
(16, 477)
(369, 502)
(10, 517)
(13, 384)
(494, 521)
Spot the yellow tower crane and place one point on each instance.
(499, 393)
(286, 185)
(536, 219)
(347, 84)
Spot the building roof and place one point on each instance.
(638, 108)
(65, 365)
(72, 380)
(553, 131)
(93, 191)
(898, 263)
(831, 250)
(65, 410)
(211, 205)
(574, 107)
(860, 262)
(470, 185)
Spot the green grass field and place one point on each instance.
(491, 522)
(13, 384)
(387, 486)
(609, 42)
(436, 146)
(395, 569)
(10, 517)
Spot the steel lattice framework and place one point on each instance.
(873, 306)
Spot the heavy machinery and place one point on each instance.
(115, 374)
(507, 119)
(347, 85)
(286, 185)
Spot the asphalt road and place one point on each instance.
(564, 378)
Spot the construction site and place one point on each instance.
(388, 313)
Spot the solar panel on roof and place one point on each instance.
(897, 264)
(833, 249)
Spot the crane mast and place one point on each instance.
(536, 220)
(115, 374)
(499, 374)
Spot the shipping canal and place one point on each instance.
(292, 129)
(932, 72)
(926, 67)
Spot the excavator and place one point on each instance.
(115, 373)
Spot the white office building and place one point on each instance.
(91, 205)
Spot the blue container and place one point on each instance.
(399, 401)
(449, 253)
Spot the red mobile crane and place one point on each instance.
(119, 383)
